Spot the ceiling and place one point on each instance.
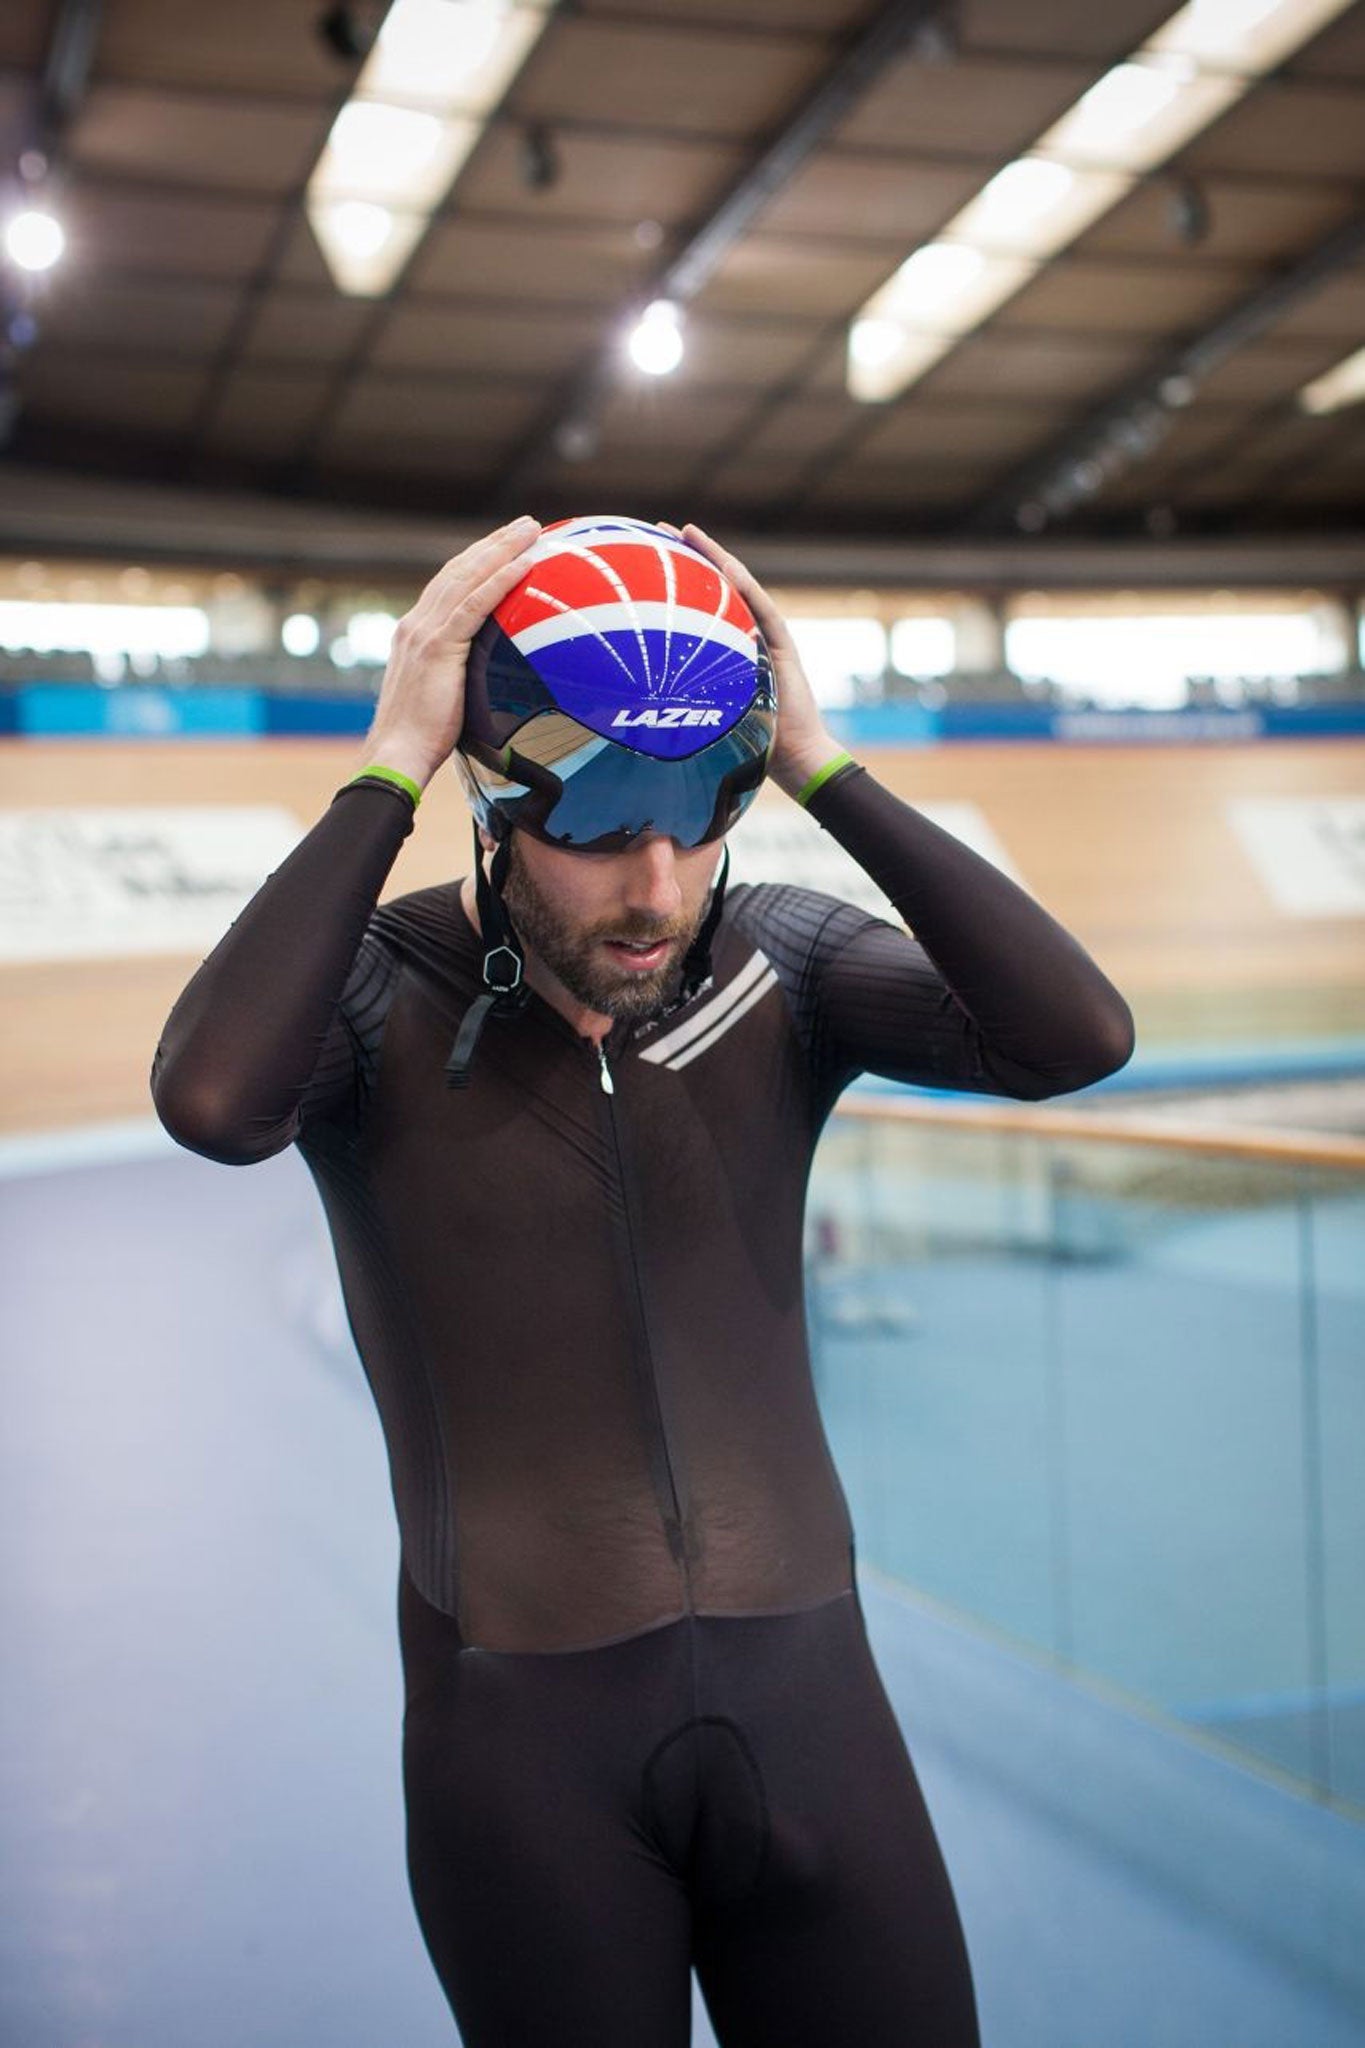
(192, 333)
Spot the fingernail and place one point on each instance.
(524, 524)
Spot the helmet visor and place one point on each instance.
(600, 796)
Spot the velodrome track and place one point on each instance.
(202, 1704)
(1131, 847)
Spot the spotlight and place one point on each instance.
(34, 239)
(1190, 217)
(576, 440)
(539, 160)
(656, 343)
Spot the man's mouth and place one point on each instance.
(639, 956)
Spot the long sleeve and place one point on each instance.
(991, 994)
(256, 1035)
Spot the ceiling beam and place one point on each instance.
(1119, 434)
(77, 514)
(66, 70)
(572, 411)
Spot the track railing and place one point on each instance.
(1098, 1382)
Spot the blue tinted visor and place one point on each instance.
(601, 796)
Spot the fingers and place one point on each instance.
(760, 604)
(473, 607)
(466, 571)
(723, 559)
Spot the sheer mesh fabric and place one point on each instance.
(581, 1313)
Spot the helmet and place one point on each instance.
(620, 687)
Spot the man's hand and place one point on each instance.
(803, 745)
(420, 711)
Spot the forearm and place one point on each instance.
(1039, 1001)
(242, 1041)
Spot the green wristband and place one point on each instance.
(821, 777)
(394, 775)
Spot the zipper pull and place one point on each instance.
(608, 1085)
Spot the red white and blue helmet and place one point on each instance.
(621, 687)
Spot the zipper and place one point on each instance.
(672, 1509)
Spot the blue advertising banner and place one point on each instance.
(909, 725)
(318, 714)
(135, 711)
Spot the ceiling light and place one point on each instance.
(1037, 205)
(656, 343)
(1248, 36)
(884, 356)
(458, 53)
(34, 239)
(948, 287)
(1126, 98)
(391, 154)
(1140, 112)
(420, 104)
(300, 634)
(365, 245)
(1024, 189)
(874, 343)
(359, 227)
(934, 276)
(1345, 385)
(1131, 120)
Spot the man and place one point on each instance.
(643, 1732)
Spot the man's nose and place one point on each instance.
(652, 885)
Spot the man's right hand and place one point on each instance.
(420, 711)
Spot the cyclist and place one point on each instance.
(644, 1732)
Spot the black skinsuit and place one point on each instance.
(644, 1731)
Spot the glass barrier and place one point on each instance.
(1108, 1398)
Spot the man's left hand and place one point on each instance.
(804, 745)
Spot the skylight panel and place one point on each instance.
(420, 105)
(1344, 385)
(1134, 118)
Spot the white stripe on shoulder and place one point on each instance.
(710, 1013)
(730, 1018)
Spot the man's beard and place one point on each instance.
(575, 960)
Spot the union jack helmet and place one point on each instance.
(621, 687)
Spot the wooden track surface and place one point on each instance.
(1128, 846)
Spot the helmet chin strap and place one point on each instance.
(504, 965)
(696, 968)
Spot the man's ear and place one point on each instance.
(486, 840)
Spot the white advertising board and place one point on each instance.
(1309, 851)
(88, 884)
(779, 842)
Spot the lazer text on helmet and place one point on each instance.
(667, 715)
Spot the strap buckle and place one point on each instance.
(497, 961)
